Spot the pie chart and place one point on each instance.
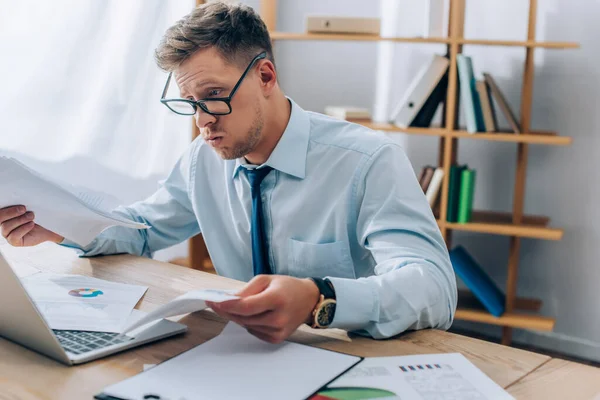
(85, 292)
(354, 393)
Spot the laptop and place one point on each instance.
(22, 323)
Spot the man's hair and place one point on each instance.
(235, 30)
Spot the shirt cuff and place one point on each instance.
(356, 303)
(78, 249)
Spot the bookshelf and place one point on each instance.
(520, 313)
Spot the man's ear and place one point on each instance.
(267, 76)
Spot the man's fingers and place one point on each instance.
(255, 299)
(13, 223)
(264, 336)
(256, 285)
(11, 212)
(272, 320)
(247, 306)
(15, 238)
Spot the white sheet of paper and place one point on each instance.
(78, 216)
(237, 365)
(189, 302)
(74, 302)
(146, 367)
(419, 377)
(26, 270)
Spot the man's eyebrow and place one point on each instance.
(202, 84)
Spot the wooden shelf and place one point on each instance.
(520, 230)
(534, 137)
(438, 40)
(470, 309)
(353, 37)
(467, 300)
(498, 223)
(382, 126)
(518, 43)
(510, 319)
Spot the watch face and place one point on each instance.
(326, 313)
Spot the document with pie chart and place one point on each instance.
(75, 302)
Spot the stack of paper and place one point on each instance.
(76, 213)
(75, 302)
(418, 377)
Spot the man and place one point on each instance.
(324, 218)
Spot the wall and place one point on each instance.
(561, 182)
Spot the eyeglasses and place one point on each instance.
(213, 105)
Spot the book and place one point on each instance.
(421, 176)
(433, 190)
(504, 107)
(426, 177)
(419, 91)
(467, 189)
(489, 117)
(480, 283)
(454, 192)
(347, 112)
(469, 96)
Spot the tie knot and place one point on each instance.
(256, 176)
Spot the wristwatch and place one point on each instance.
(324, 311)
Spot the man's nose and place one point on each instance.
(203, 119)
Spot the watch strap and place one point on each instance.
(325, 287)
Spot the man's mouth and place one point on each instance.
(213, 140)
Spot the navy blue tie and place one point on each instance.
(260, 260)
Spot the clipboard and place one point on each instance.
(235, 365)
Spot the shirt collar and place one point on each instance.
(289, 156)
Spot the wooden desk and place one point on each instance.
(27, 375)
(559, 379)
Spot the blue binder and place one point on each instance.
(480, 284)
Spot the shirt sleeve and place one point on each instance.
(414, 286)
(168, 211)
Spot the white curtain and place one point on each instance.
(78, 79)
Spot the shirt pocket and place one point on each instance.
(319, 260)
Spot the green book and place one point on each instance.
(465, 202)
(454, 192)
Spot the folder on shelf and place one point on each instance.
(420, 89)
(431, 105)
(467, 189)
(476, 279)
(506, 110)
(468, 95)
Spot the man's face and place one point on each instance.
(206, 74)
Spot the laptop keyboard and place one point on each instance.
(78, 342)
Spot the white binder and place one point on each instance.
(419, 90)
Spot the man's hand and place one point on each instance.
(271, 306)
(18, 227)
